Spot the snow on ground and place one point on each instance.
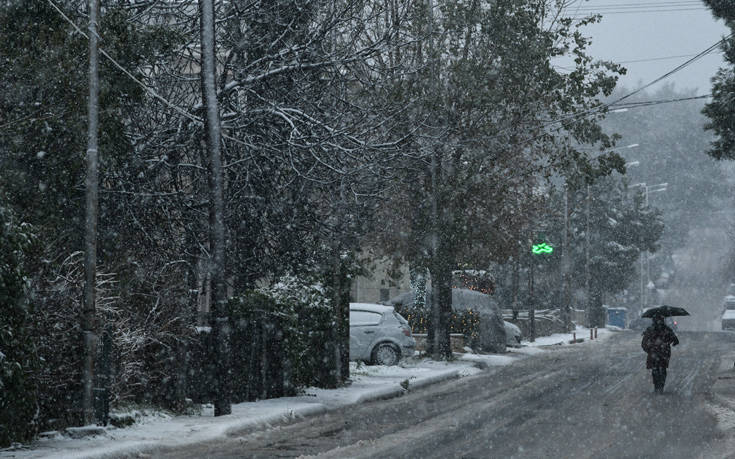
(369, 382)
(565, 338)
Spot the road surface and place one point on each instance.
(589, 401)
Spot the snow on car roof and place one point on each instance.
(371, 307)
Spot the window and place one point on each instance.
(400, 318)
(364, 318)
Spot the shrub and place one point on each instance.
(464, 322)
(18, 358)
(278, 342)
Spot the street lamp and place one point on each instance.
(644, 290)
(587, 240)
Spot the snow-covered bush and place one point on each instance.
(18, 359)
(148, 328)
(278, 342)
(307, 342)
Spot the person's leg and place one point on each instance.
(657, 384)
(663, 378)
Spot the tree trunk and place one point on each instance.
(515, 284)
(597, 312)
(90, 232)
(339, 351)
(218, 317)
(343, 322)
(441, 304)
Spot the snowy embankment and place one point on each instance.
(154, 430)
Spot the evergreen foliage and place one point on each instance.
(720, 110)
(279, 343)
(19, 417)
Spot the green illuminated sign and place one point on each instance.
(541, 248)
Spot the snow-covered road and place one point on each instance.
(586, 401)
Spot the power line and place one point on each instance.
(647, 103)
(617, 103)
(653, 59)
(671, 10)
(642, 5)
(674, 70)
(615, 5)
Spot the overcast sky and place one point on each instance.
(634, 30)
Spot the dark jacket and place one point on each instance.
(657, 342)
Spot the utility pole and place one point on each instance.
(566, 306)
(89, 325)
(219, 320)
(647, 189)
(587, 261)
(531, 301)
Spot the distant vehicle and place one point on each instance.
(731, 289)
(728, 302)
(728, 319)
(512, 334)
(378, 334)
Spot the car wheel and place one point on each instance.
(386, 354)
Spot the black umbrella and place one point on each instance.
(665, 311)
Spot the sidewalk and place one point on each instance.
(156, 429)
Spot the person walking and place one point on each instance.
(657, 342)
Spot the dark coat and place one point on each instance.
(657, 342)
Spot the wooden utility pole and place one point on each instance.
(218, 315)
(587, 273)
(90, 229)
(531, 299)
(565, 260)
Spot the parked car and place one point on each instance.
(728, 302)
(490, 335)
(378, 334)
(512, 334)
(728, 319)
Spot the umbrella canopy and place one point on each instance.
(665, 311)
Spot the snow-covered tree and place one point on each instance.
(489, 119)
(18, 358)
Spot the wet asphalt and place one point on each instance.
(588, 401)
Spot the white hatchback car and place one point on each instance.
(378, 334)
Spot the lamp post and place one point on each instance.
(537, 249)
(647, 189)
(587, 238)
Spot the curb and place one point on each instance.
(387, 393)
(143, 447)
